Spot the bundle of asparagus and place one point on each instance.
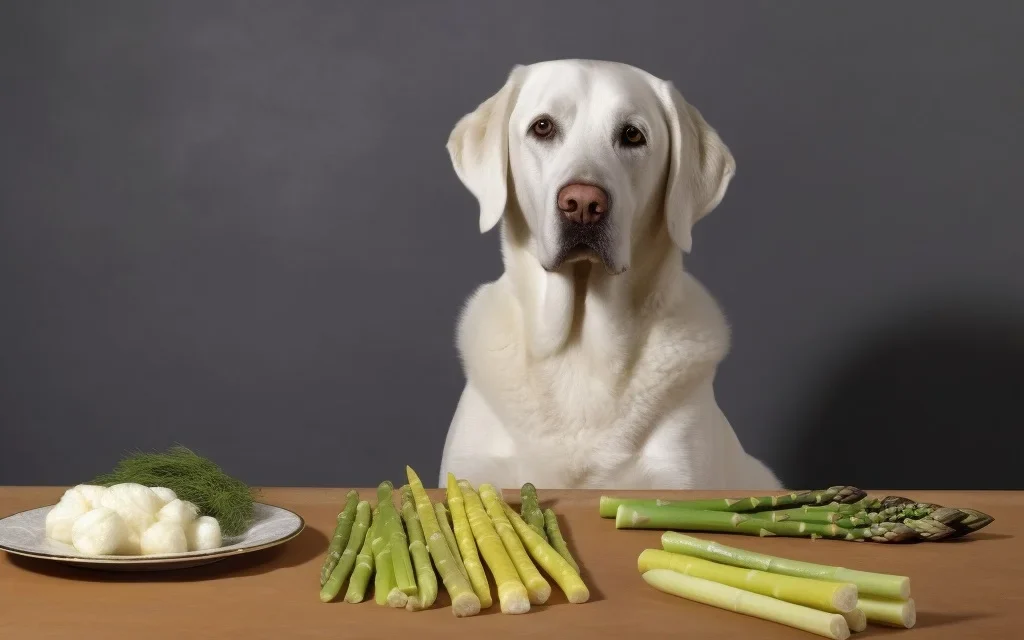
(840, 512)
(406, 550)
(825, 600)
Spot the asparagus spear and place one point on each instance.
(557, 541)
(342, 530)
(837, 597)
(512, 594)
(385, 591)
(697, 520)
(397, 541)
(609, 505)
(829, 625)
(464, 601)
(449, 536)
(564, 575)
(800, 514)
(364, 566)
(893, 613)
(426, 581)
(530, 509)
(879, 585)
(537, 587)
(467, 543)
(348, 557)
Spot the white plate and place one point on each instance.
(24, 534)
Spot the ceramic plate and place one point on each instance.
(24, 534)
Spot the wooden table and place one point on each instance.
(973, 588)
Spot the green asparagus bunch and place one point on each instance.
(407, 553)
(840, 512)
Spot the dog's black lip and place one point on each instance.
(578, 238)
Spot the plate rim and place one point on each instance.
(188, 556)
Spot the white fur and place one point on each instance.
(593, 373)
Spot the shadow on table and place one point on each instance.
(308, 545)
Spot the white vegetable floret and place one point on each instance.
(164, 537)
(100, 532)
(166, 495)
(136, 504)
(203, 534)
(61, 518)
(93, 493)
(179, 512)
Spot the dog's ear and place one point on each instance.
(700, 166)
(478, 148)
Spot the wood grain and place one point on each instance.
(973, 588)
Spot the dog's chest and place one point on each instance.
(583, 412)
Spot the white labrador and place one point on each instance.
(590, 362)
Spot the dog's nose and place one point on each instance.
(583, 203)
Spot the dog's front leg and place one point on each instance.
(477, 447)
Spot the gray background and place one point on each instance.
(234, 226)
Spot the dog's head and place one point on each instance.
(589, 151)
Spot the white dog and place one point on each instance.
(590, 362)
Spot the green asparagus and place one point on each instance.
(530, 510)
(348, 557)
(342, 530)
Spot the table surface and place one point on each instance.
(971, 588)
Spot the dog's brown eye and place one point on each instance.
(633, 137)
(542, 128)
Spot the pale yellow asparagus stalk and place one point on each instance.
(723, 596)
(449, 536)
(536, 585)
(426, 581)
(555, 565)
(512, 594)
(836, 597)
(467, 544)
(872, 584)
(856, 620)
(464, 600)
(893, 613)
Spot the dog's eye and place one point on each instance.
(542, 128)
(633, 137)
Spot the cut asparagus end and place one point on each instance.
(856, 620)
(515, 604)
(465, 604)
(397, 598)
(844, 599)
(893, 613)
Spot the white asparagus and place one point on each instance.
(829, 625)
